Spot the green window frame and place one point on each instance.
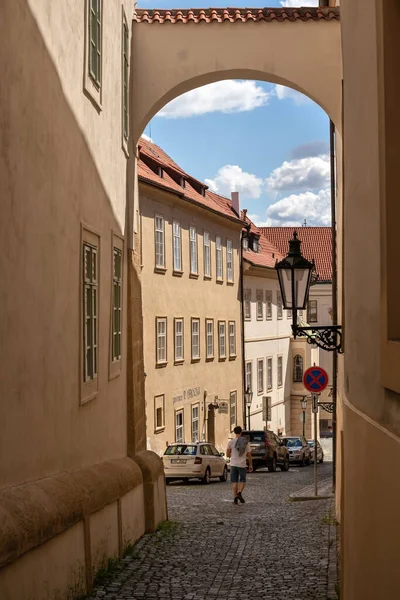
(117, 305)
(125, 79)
(90, 303)
(95, 40)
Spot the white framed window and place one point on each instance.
(195, 422)
(177, 245)
(260, 375)
(207, 254)
(229, 260)
(245, 243)
(280, 371)
(222, 339)
(178, 340)
(159, 413)
(288, 314)
(232, 338)
(279, 310)
(312, 314)
(209, 338)
(161, 340)
(179, 437)
(193, 250)
(247, 304)
(298, 368)
(249, 376)
(159, 238)
(232, 409)
(95, 41)
(116, 347)
(259, 303)
(195, 326)
(270, 382)
(268, 300)
(218, 258)
(90, 310)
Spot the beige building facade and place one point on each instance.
(369, 374)
(76, 482)
(191, 290)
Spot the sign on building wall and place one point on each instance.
(223, 407)
(187, 394)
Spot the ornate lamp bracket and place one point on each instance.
(328, 338)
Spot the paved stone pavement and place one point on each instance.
(267, 548)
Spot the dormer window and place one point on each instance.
(182, 183)
(255, 245)
(245, 243)
(203, 192)
(160, 172)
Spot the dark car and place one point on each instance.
(267, 450)
(299, 450)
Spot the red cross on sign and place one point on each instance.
(315, 379)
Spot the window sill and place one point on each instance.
(159, 430)
(160, 365)
(260, 393)
(177, 273)
(88, 398)
(195, 360)
(259, 319)
(193, 275)
(207, 277)
(210, 358)
(268, 318)
(161, 270)
(279, 318)
(231, 283)
(114, 374)
(179, 361)
(270, 389)
(222, 358)
(220, 281)
(92, 91)
(247, 318)
(232, 356)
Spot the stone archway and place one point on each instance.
(174, 51)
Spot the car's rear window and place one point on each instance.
(254, 437)
(183, 449)
(310, 443)
(290, 442)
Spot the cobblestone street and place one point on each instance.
(267, 548)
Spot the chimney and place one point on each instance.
(235, 202)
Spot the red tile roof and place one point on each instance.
(210, 201)
(235, 15)
(316, 244)
(267, 255)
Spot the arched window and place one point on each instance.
(298, 368)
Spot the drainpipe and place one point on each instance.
(334, 293)
(242, 322)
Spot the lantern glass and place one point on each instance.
(302, 279)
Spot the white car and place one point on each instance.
(320, 452)
(194, 460)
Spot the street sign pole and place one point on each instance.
(315, 411)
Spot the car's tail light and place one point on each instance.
(198, 460)
(266, 443)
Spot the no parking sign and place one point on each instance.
(315, 380)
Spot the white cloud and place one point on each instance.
(229, 96)
(287, 93)
(298, 3)
(147, 137)
(311, 173)
(231, 178)
(292, 210)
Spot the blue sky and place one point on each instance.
(268, 142)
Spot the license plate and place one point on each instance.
(178, 461)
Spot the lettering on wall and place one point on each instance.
(188, 394)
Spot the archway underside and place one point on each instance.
(176, 51)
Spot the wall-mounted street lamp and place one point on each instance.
(303, 403)
(295, 275)
(248, 397)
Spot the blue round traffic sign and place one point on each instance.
(315, 379)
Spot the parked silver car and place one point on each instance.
(195, 460)
(320, 452)
(299, 450)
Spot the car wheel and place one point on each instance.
(322, 460)
(207, 477)
(255, 468)
(308, 461)
(285, 466)
(272, 467)
(167, 481)
(224, 475)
